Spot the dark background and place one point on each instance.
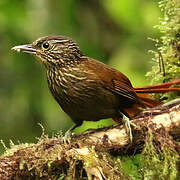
(115, 32)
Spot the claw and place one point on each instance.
(127, 123)
(67, 137)
(69, 133)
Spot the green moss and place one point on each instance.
(159, 161)
(131, 166)
(55, 158)
(168, 46)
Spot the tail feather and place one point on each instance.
(160, 86)
(146, 100)
(133, 111)
(158, 90)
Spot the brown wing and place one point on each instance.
(123, 89)
(112, 79)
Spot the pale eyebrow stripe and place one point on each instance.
(61, 41)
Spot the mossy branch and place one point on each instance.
(91, 153)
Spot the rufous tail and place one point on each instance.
(147, 101)
(160, 88)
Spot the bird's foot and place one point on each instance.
(128, 125)
(69, 133)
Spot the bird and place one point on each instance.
(87, 89)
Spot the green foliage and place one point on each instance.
(167, 45)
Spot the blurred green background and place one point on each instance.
(115, 32)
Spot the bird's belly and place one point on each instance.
(89, 103)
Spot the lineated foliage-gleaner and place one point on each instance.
(87, 89)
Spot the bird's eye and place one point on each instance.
(45, 45)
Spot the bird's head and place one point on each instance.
(53, 51)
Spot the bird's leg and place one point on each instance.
(69, 131)
(126, 121)
(128, 124)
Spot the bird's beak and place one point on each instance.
(25, 48)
